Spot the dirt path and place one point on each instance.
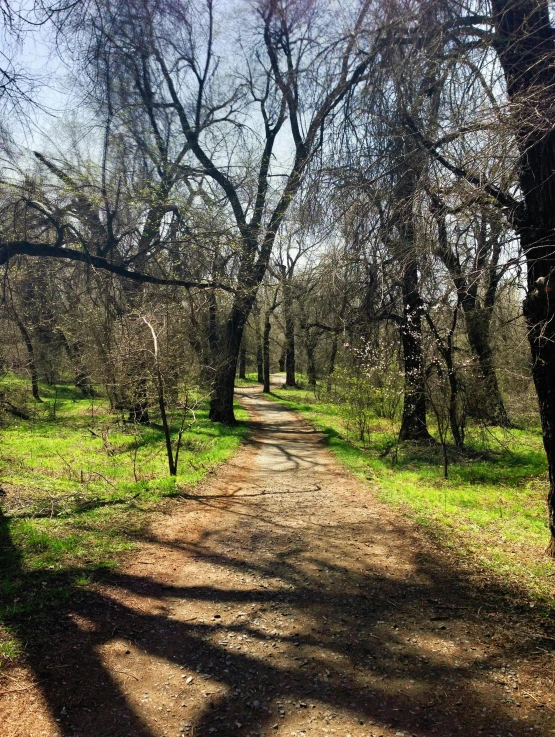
(283, 599)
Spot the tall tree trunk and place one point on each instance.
(453, 413)
(333, 355)
(213, 338)
(289, 319)
(266, 350)
(31, 356)
(221, 403)
(478, 322)
(525, 45)
(281, 361)
(243, 360)
(477, 313)
(413, 424)
(259, 351)
(310, 359)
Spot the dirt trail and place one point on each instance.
(283, 599)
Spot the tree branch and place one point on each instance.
(40, 250)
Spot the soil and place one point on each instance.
(282, 598)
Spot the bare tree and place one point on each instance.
(302, 70)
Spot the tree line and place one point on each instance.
(367, 184)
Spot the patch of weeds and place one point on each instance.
(80, 496)
(249, 380)
(10, 649)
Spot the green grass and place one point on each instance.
(491, 509)
(249, 380)
(78, 489)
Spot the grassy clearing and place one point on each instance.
(249, 380)
(491, 510)
(77, 486)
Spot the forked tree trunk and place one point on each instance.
(477, 312)
(526, 50)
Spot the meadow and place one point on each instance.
(78, 487)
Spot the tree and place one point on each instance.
(525, 44)
(301, 72)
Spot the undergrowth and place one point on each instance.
(490, 510)
(77, 486)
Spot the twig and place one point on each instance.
(126, 674)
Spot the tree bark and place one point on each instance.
(311, 360)
(266, 350)
(289, 319)
(526, 48)
(413, 423)
(478, 322)
(281, 361)
(31, 356)
(333, 355)
(221, 403)
(243, 360)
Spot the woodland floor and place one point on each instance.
(282, 598)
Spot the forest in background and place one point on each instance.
(358, 195)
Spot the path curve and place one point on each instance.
(281, 598)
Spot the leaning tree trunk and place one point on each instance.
(526, 50)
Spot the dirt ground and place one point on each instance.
(283, 599)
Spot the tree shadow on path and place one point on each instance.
(364, 646)
(280, 623)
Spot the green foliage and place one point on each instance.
(77, 486)
(250, 380)
(491, 510)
